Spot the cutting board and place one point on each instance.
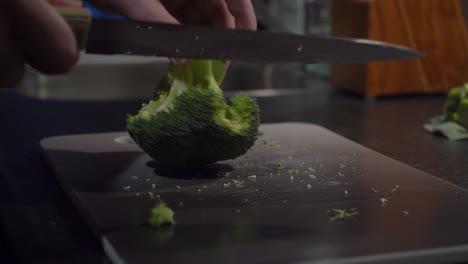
(248, 211)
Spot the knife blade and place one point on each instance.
(109, 36)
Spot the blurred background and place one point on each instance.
(127, 77)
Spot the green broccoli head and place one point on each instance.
(456, 105)
(452, 101)
(189, 122)
(463, 113)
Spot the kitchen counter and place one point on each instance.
(38, 223)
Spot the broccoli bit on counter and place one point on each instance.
(189, 123)
(342, 214)
(161, 215)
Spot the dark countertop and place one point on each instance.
(39, 224)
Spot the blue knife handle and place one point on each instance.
(96, 13)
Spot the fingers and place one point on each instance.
(144, 10)
(43, 35)
(12, 62)
(243, 13)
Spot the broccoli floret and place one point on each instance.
(453, 100)
(189, 123)
(456, 105)
(161, 215)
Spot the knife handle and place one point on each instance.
(79, 20)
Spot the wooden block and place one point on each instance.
(433, 26)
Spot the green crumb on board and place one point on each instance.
(342, 214)
(374, 190)
(161, 215)
(293, 172)
(238, 184)
(271, 142)
(279, 167)
(397, 187)
(383, 201)
(311, 169)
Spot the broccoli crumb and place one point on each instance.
(252, 177)
(397, 187)
(237, 184)
(346, 192)
(312, 176)
(311, 169)
(342, 214)
(309, 186)
(271, 142)
(178, 187)
(374, 190)
(383, 202)
(340, 174)
(134, 177)
(199, 190)
(127, 188)
(161, 215)
(227, 185)
(279, 167)
(293, 172)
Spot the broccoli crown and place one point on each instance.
(189, 121)
(456, 105)
(161, 215)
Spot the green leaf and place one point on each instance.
(452, 130)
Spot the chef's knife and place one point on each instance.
(110, 36)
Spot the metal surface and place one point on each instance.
(274, 218)
(156, 39)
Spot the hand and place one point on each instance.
(33, 32)
(238, 14)
(223, 13)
